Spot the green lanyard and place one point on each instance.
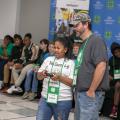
(116, 71)
(53, 87)
(79, 61)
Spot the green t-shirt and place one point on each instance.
(8, 49)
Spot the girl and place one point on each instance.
(57, 75)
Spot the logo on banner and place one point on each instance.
(98, 5)
(108, 34)
(97, 19)
(117, 36)
(109, 20)
(97, 32)
(110, 4)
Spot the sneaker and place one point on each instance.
(17, 89)
(1, 85)
(25, 95)
(10, 90)
(14, 89)
(114, 112)
(32, 96)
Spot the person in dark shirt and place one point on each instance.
(17, 49)
(114, 76)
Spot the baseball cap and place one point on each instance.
(79, 17)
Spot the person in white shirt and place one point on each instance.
(57, 75)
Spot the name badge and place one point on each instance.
(116, 74)
(52, 94)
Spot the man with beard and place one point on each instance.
(91, 76)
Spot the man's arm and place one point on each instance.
(97, 78)
(34, 52)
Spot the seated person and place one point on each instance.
(51, 48)
(76, 47)
(31, 82)
(28, 57)
(5, 53)
(114, 75)
(15, 56)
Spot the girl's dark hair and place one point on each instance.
(45, 41)
(67, 44)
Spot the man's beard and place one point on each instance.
(80, 33)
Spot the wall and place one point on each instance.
(18, 10)
(34, 18)
(8, 17)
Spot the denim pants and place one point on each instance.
(31, 82)
(60, 111)
(2, 63)
(20, 74)
(88, 108)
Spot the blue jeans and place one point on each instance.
(88, 108)
(60, 111)
(2, 63)
(31, 82)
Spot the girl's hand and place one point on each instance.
(56, 77)
(41, 75)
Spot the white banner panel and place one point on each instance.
(73, 4)
(65, 9)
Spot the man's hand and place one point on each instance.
(90, 94)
